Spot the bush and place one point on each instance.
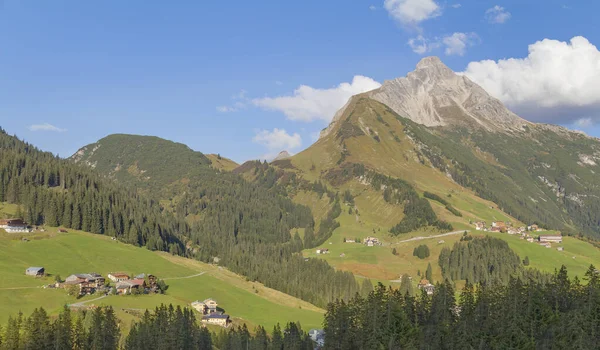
(421, 251)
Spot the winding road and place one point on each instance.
(181, 278)
(427, 237)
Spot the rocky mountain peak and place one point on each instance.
(282, 155)
(434, 95)
(432, 66)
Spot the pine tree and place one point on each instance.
(63, 335)
(366, 287)
(429, 273)
(406, 285)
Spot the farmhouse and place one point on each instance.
(87, 282)
(550, 238)
(498, 224)
(426, 286)
(93, 278)
(35, 271)
(206, 307)
(371, 241)
(323, 251)
(480, 225)
(217, 319)
(125, 287)
(14, 225)
(118, 276)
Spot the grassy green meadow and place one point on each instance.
(78, 252)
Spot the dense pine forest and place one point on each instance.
(562, 313)
(481, 260)
(247, 227)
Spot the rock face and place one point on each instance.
(433, 95)
(282, 155)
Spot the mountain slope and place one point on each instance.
(222, 163)
(537, 173)
(245, 225)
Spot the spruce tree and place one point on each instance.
(429, 273)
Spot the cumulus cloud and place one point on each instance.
(557, 82)
(412, 12)
(308, 104)
(277, 140)
(46, 127)
(422, 45)
(457, 43)
(497, 15)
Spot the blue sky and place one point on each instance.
(225, 76)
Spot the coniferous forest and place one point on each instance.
(561, 313)
(246, 226)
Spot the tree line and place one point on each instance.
(561, 313)
(96, 329)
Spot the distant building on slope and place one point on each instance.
(14, 225)
(35, 271)
(550, 238)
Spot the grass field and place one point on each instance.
(78, 252)
(379, 264)
(577, 255)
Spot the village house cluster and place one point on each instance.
(210, 312)
(90, 283)
(525, 233)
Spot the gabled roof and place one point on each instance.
(34, 268)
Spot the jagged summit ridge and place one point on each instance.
(433, 95)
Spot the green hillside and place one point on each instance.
(212, 215)
(369, 134)
(221, 163)
(78, 252)
(141, 160)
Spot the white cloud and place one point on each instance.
(457, 43)
(308, 103)
(456, 6)
(584, 122)
(277, 140)
(46, 127)
(412, 12)
(557, 82)
(422, 45)
(372, 7)
(497, 15)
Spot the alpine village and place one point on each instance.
(427, 212)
